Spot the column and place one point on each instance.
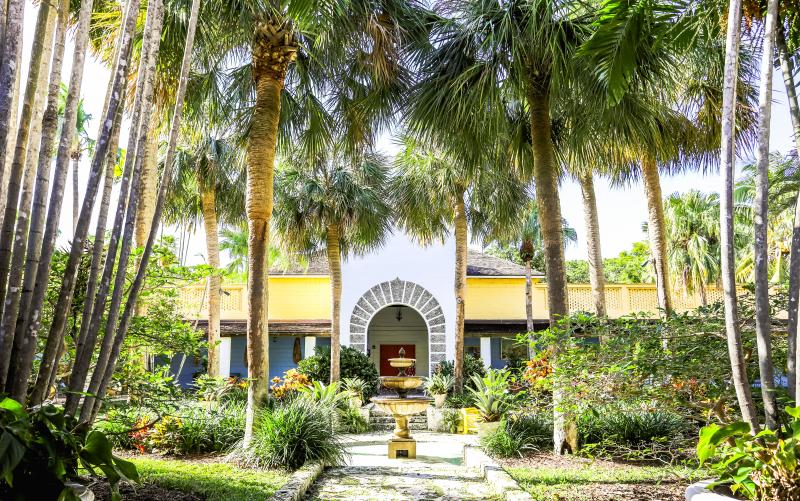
(310, 344)
(486, 351)
(225, 356)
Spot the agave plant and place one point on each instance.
(327, 395)
(439, 384)
(492, 398)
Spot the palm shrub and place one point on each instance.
(518, 434)
(761, 466)
(291, 434)
(439, 383)
(491, 394)
(350, 420)
(353, 364)
(355, 387)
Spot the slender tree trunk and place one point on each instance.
(761, 269)
(83, 351)
(11, 325)
(595, 256)
(109, 349)
(656, 229)
(274, 49)
(335, 264)
(13, 123)
(528, 297)
(14, 21)
(76, 197)
(148, 248)
(545, 173)
(728, 263)
(23, 215)
(149, 185)
(460, 286)
(18, 163)
(209, 204)
(787, 68)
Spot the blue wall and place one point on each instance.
(280, 354)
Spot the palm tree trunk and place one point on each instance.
(761, 268)
(273, 50)
(545, 173)
(63, 305)
(335, 264)
(460, 286)
(18, 162)
(528, 297)
(793, 333)
(11, 323)
(656, 229)
(728, 262)
(595, 256)
(13, 123)
(9, 67)
(76, 197)
(147, 72)
(138, 281)
(208, 201)
(83, 348)
(149, 185)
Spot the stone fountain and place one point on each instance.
(402, 444)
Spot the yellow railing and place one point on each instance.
(293, 298)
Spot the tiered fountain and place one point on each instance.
(402, 444)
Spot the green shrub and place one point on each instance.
(354, 364)
(634, 434)
(473, 366)
(326, 395)
(763, 466)
(459, 401)
(350, 420)
(451, 419)
(439, 384)
(355, 386)
(292, 433)
(491, 395)
(519, 434)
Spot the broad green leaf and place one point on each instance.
(12, 406)
(127, 469)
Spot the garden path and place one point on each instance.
(436, 473)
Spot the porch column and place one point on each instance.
(224, 356)
(310, 344)
(486, 351)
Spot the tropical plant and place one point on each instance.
(473, 366)
(355, 386)
(350, 420)
(336, 203)
(492, 398)
(436, 192)
(519, 434)
(439, 383)
(289, 435)
(761, 466)
(354, 363)
(327, 395)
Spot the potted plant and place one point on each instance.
(355, 387)
(438, 386)
(492, 399)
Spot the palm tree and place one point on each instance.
(234, 242)
(728, 265)
(345, 46)
(595, 255)
(208, 184)
(693, 235)
(337, 203)
(435, 193)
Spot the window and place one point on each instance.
(473, 350)
(511, 350)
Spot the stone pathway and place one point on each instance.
(436, 473)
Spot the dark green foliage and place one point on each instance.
(635, 434)
(353, 363)
(350, 420)
(292, 433)
(520, 433)
(41, 450)
(473, 366)
(459, 400)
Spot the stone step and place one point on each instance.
(390, 426)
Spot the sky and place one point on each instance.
(622, 209)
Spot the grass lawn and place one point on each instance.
(546, 476)
(214, 481)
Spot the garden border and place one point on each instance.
(494, 474)
(299, 483)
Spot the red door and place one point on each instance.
(393, 351)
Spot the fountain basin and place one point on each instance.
(401, 384)
(400, 409)
(402, 362)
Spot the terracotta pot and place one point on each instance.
(439, 399)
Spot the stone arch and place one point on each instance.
(400, 292)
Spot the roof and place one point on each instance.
(479, 264)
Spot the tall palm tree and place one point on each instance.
(436, 193)
(334, 203)
(595, 255)
(280, 45)
(208, 184)
(234, 242)
(693, 235)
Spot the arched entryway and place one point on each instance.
(393, 328)
(418, 302)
